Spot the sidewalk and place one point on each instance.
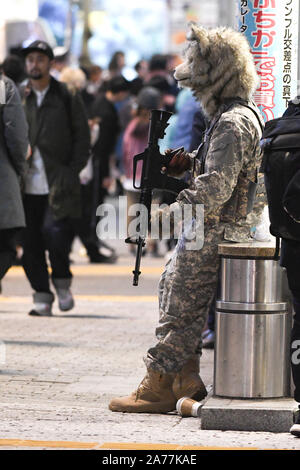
(61, 372)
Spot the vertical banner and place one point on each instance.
(271, 27)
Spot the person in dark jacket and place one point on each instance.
(136, 85)
(290, 259)
(60, 139)
(13, 68)
(106, 113)
(105, 109)
(13, 149)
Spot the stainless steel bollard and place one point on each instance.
(252, 324)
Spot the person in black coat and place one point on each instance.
(141, 67)
(60, 140)
(290, 259)
(117, 89)
(105, 112)
(13, 149)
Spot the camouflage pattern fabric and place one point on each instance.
(260, 202)
(231, 168)
(186, 290)
(190, 279)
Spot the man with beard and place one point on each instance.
(219, 69)
(59, 138)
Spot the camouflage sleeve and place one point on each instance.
(195, 163)
(260, 202)
(223, 164)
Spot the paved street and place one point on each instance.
(61, 372)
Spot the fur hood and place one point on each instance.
(218, 65)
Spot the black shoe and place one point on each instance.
(295, 429)
(41, 313)
(100, 258)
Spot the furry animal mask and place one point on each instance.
(217, 65)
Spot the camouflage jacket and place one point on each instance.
(227, 179)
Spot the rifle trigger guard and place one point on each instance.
(134, 242)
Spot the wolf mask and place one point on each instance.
(217, 65)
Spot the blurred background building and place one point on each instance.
(94, 29)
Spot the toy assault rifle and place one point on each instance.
(153, 177)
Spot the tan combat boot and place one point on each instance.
(188, 382)
(154, 395)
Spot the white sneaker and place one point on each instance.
(295, 429)
(41, 309)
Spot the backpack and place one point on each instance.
(281, 167)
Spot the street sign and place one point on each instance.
(271, 27)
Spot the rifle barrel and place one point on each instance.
(137, 271)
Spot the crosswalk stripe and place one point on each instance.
(138, 446)
(89, 298)
(109, 445)
(52, 444)
(96, 270)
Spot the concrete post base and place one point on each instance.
(265, 415)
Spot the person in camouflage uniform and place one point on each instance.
(219, 69)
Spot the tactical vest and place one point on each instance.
(242, 199)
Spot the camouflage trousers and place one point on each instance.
(186, 290)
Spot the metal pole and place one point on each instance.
(84, 59)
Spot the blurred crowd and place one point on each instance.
(118, 113)
(80, 128)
